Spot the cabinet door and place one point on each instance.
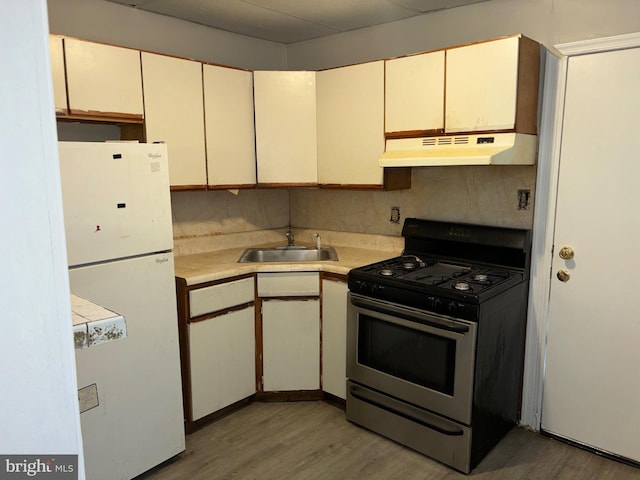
(57, 70)
(334, 337)
(414, 93)
(222, 354)
(103, 78)
(351, 124)
(481, 86)
(174, 114)
(285, 111)
(230, 134)
(291, 345)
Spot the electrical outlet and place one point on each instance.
(523, 199)
(395, 215)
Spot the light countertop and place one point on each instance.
(220, 264)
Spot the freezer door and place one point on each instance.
(116, 200)
(138, 422)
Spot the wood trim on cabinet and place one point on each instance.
(336, 277)
(95, 116)
(218, 313)
(528, 86)
(178, 188)
(231, 187)
(394, 178)
(259, 350)
(290, 298)
(182, 299)
(219, 281)
(286, 185)
(437, 132)
(289, 396)
(335, 401)
(397, 178)
(133, 131)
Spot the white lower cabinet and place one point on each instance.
(222, 358)
(291, 344)
(334, 337)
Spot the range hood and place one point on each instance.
(482, 149)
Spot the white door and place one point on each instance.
(592, 380)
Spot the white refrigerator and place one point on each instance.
(119, 243)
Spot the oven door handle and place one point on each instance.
(405, 411)
(429, 320)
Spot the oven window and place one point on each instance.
(418, 357)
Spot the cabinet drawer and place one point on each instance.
(218, 297)
(295, 284)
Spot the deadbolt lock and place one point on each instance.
(566, 253)
(563, 275)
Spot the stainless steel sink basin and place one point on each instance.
(289, 254)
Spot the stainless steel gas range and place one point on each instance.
(435, 340)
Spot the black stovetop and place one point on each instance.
(447, 261)
(437, 272)
(434, 276)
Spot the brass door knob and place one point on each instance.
(563, 275)
(566, 253)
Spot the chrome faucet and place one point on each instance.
(318, 243)
(290, 238)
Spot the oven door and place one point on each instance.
(422, 358)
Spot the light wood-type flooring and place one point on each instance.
(312, 440)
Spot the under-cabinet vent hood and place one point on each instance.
(484, 149)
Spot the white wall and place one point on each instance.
(547, 21)
(39, 404)
(107, 22)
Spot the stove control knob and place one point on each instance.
(377, 289)
(360, 286)
(453, 306)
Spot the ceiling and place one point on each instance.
(290, 21)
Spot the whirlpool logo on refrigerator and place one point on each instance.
(54, 467)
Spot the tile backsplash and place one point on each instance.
(219, 212)
(485, 195)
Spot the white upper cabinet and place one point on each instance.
(229, 120)
(174, 114)
(56, 51)
(492, 86)
(103, 79)
(285, 120)
(414, 93)
(351, 124)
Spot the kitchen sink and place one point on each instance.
(289, 254)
